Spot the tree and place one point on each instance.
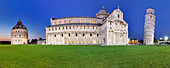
(40, 38)
(34, 41)
(141, 41)
(156, 40)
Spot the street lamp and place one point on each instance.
(161, 38)
(166, 38)
(128, 39)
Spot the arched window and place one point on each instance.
(69, 34)
(70, 21)
(76, 34)
(61, 35)
(150, 16)
(118, 16)
(54, 35)
(70, 27)
(80, 27)
(79, 20)
(64, 21)
(97, 35)
(74, 20)
(90, 35)
(85, 20)
(90, 21)
(77, 27)
(83, 34)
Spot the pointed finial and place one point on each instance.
(118, 7)
(19, 22)
(53, 16)
(103, 6)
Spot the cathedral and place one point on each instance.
(19, 34)
(104, 29)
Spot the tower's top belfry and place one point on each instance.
(150, 11)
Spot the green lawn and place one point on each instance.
(34, 56)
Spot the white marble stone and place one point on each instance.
(105, 29)
(149, 27)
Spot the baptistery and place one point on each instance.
(19, 34)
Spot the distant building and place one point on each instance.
(134, 41)
(149, 27)
(41, 42)
(104, 29)
(19, 34)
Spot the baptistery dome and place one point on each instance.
(103, 13)
(19, 34)
(19, 25)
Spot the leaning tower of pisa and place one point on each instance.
(149, 27)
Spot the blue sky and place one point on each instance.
(36, 14)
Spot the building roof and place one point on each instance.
(103, 11)
(74, 17)
(93, 24)
(19, 25)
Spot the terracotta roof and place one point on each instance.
(19, 25)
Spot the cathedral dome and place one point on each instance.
(103, 13)
(19, 25)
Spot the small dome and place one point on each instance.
(19, 25)
(103, 13)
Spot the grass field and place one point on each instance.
(34, 56)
